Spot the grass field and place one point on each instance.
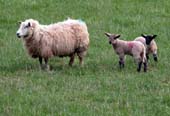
(99, 88)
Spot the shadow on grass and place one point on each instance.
(26, 66)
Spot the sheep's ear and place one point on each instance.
(143, 35)
(154, 36)
(29, 24)
(19, 22)
(117, 36)
(107, 34)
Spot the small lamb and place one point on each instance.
(150, 44)
(133, 48)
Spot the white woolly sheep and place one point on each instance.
(66, 38)
(133, 48)
(150, 44)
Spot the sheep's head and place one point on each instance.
(148, 38)
(112, 37)
(26, 28)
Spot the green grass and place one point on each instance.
(99, 88)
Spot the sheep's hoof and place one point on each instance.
(45, 67)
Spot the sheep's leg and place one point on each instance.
(80, 56)
(121, 62)
(155, 57)
(46, 64)
(81, 60)
(40, 60)
(71, 59)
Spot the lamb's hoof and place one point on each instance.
(138, 70)
(81, 65)
(71, 65)
(155, 59)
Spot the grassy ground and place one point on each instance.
(100, 88)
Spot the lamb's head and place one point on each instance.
(148, 38)
(26, 28)
(112, 37)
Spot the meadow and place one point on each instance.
(99, 88)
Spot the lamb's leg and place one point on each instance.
(139, 66)
(40, 60)
(71, 59)
(147, 57)
(139, 61)
(155, 57)
(47, 67)
(145, 66)
(121, 62)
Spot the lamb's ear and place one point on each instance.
(154, 36)
(107, 34)
(117, 36)
(143, 35)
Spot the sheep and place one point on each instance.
(67, 38)
(150, 44)
(133, 48)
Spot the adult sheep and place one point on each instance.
(66, 38)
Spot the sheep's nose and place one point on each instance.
(18, 35)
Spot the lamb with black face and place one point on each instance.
(148, 38)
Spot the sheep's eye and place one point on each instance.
(26, 26)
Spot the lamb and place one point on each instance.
(133, 48)
(66, 38)
(150, 44)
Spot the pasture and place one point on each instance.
(99, 88)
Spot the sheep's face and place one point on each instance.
(112, 37)
(148, 38)
(25, 30)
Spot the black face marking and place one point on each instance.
(148, 38)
